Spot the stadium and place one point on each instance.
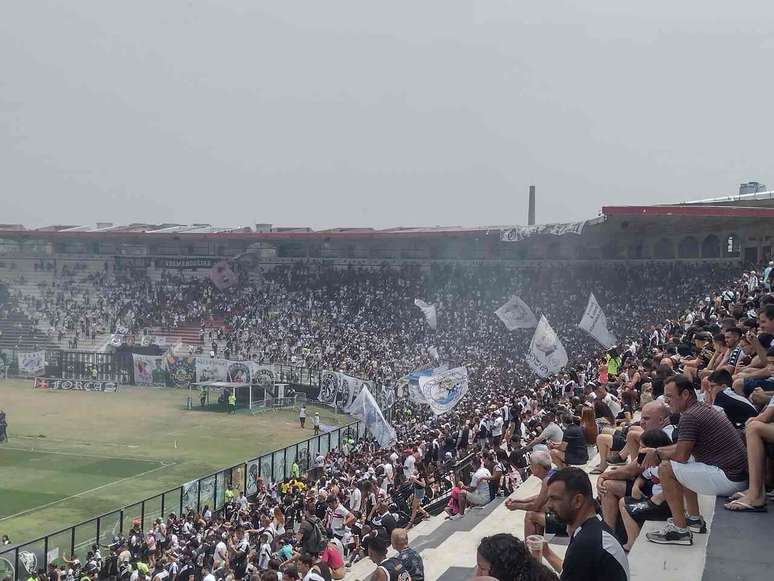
(123, 344)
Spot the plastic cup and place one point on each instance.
(535, 546)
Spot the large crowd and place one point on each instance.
(679, 407)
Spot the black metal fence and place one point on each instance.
(20, 561)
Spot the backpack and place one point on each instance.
(316, 541)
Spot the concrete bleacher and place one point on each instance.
(733, 548)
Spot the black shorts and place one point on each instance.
(645, 509)
(619, 441)
(555, 525)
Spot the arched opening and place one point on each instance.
(664, 248)
(710, 247)
(688, 248)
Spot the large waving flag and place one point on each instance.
(516, 314)
(594, 323)
(546, 353)
(429, 311)
(365, 408)
(442, 391)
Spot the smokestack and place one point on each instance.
(531, 215)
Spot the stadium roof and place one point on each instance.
(702, 211)
(691, 210)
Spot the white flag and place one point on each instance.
(444, 390)
(516, 314)
(429, 312)
(546, 353)
(594, 323)
(365, 408)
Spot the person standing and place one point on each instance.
(3, 427)
(316, 421)
(302, 416)
(232, 402)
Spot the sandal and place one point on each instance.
(739, 506)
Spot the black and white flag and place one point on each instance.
(515, 314)
(594, 323)
(429, 312)
(546, 353)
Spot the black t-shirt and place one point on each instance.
(595, 554)
(737, 407)
(386, 521)
(412, 562)
(576, 453)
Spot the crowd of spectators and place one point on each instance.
(669, 408)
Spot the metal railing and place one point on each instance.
(20, 561)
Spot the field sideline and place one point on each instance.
(74, 455)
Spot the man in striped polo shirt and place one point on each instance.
(708, 458)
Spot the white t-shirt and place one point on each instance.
(355, 499)
(613, 403)
(338, 516)
(221, 553)
(388, 472)
(481, 486)
(408, 466)
(497, 426)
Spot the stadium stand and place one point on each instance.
(679, 325)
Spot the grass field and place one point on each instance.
(74, 455)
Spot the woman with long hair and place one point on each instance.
(506, 558)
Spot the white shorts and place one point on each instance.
(478, 499)
(705, 479)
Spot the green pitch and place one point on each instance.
(74, 455)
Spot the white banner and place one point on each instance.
(444, 390)
(546, 353)
(594, 323)
(518, 233)
(149, 370)
(429, 311)
(366, 408)
(211, 369)
(515, 314)
(32, 363)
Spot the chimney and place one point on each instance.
(531, 215)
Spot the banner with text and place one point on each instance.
(31, 363)
(519, 233)
(58, 383)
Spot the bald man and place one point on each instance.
(617, 483)
(407, 556)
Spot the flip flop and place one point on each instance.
(596, 471)
(740, 506)
(736, 496)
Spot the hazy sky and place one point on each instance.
(327, 113)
